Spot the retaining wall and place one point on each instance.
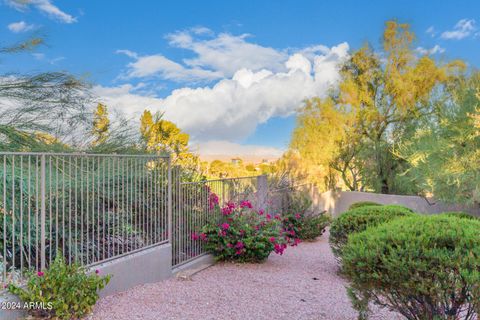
(336, 202)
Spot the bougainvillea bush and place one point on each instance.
(243, 234)
(305, 227)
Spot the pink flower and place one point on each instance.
(97, 271)
(278, 217)
(194, 236)
(278, 249)
(239, 245)
(212, 200)
(225, 226)
(292, 232)
(222, 233)
(40, 273)
(296, 241)
(242, 232)
(297, 216)
(261, 212)
(272, 239)
(268, 216)
(246, 204)
(229, 245)
(239, 252)
(203, 236)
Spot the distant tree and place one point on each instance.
(162, 135)
(101, 124)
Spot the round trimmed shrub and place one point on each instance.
(461, 215)
(424, 267)
(363, 204)
(357, 220)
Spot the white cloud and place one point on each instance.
(234, 106)
(231, 149)
(436, 49)
(164, 68)
(227, 53)
(20, 26)
(462, 29)
(45, 6)
(431, 31)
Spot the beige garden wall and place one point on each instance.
(336, 202)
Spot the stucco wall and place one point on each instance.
(147, 266)
(337, 202)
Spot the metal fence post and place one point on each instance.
(169, 200)
(42, 211)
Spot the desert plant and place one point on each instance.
(302, 226)
(424, 267)
(243, 234)
(363, 204)
(64, 291)
(357, 220)
(313, 227)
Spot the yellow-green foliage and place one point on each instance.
(352, 133)
(101, 124)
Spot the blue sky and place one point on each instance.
(227, 72)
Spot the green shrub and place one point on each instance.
(359, 219)
(424, 267)
(66, 291)
(363, 204)
(313, 227)
(462, 215)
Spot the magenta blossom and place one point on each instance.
(97, 271)
(222, 233)
(225, 226)
(261, 212)
(212, 200)
(268, 216)
(246, 204)
(272, 239)
(194, 236)
(297, 216)
(40, 274)
(278, 217)
(239, 245)
(230, 245)
(203, 236)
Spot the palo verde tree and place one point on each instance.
(381, 95)
(38, 111)
(444, 154)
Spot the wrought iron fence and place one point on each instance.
(92, 208)
(195, 206)
(88, 207)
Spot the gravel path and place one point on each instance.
(301, 284)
